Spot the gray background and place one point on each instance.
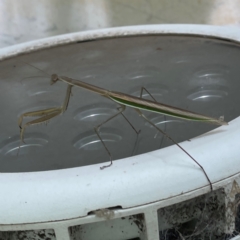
(26, 20)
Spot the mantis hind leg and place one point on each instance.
(164, 116)
(141, 93)
(135, 130)
(96, 129)
(166, 135)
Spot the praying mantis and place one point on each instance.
(124, 100)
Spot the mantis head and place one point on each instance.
(54, 78)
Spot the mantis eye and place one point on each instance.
(54, 78)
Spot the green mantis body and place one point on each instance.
(124, 100)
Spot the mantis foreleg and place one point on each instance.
(44, 115)
(47, 115)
